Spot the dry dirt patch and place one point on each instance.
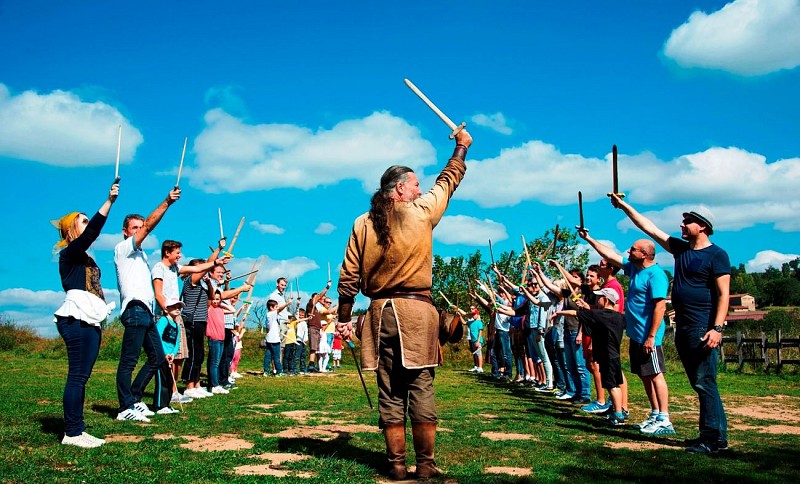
(498, 436)
(769, 429)
(215, 443)
(275, 466)
(514, 471)
(487, 416)
(636, 445)
(163, 436)
(125, 439)
(323, 432)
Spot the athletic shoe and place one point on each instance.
(723, 444)
(193, 393)
(580, 400)
(92, 438)
(616, 419)
(596, 407)
(281, 375)
(545, 389)
(565, 396)
(232, 386)
(220, 390)
(133, 415)
(231, 380)
(651, 419)
(81, 441)
(178, 398)
(704, 448)
(141, 407)
(236, 375)
(474, 369)
(479, 370)
(659, 427)
(204, 392)
(167, 411)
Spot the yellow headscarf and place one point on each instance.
(63, 225)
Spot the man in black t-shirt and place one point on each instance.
(700, 294)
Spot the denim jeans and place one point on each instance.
(701, 368)
(502, 351)
(140, 332)
(214, 357)
(272, 353)
(196, 340)
(227, 357)
(576, 365)
(83, 344)
(289, 354)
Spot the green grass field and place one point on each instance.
(327, 419)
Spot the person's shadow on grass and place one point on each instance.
(339, 447)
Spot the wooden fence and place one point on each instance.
(761, 350)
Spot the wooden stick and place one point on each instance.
(221, 232)
(445, 298)
(119, 147)
(180, 167)
(229, 252)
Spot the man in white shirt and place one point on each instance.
(137, 309)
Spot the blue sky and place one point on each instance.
(293, 110)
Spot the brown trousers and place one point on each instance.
(400, 388)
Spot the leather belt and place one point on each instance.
(405, 295)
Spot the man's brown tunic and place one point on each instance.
(406, 266)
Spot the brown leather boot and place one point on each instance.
(424, 440)
(395, 435)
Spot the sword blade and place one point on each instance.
(614, 172)
(580, 208)
(360, 376)
(119, 147)
(491, 252)
(450, 124)
(236, 236)
(180, 167)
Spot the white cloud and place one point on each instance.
(62, 130)
(28, 298)
(233, 156)
(109, 241)
(746, 37)
(324, 228)
(494, 121)
(266, 228)
(767, 258)
(742, 187)
(462, 229)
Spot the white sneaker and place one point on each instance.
(92, 438)
(204, 392)
(231, 380)
(236, 375)
(167, 411)
(178, 398)
(479, 370)
(141, 407)
(220, 390)
(81, 441)
(651, 419)
(134, 415)
(193, 393)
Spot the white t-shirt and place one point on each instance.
(169, 278)
(280, 298)
(133, 275)
(273, 329)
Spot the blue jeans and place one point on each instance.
(83, 344)
(701, 368)
(502, 351)
(140, 332)
(272, 353)
(301, 356)
(576, 365)
(212, 365)
(227, 357)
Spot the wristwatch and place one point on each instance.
(718, 329)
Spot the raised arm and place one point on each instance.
(605, 251)
(155, 217)
(644, 223)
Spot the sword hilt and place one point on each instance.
(227, 254)
(620, 195)
(458, 130)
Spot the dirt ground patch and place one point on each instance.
(125, 439)
(769, 429)
(215, 443)
(498, 436)
(324, 432)
(780, 408)
(163, 436)
(636, 445)
(302, 416)
(514, 471)
(487, 416)
(275, 466)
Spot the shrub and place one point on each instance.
(13, 337)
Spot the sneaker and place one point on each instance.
(479, 370)
(545, 389)
(596, 407)
(220, 390)
(281, 375)
(236, 375)
(193, 393)
(580, 400)
(178, 398)
(141, 407)
(81, 441)
(651, 419)
(723, 444)
(231, 380)
(704, 448)
(232, 386)
(474, 369)
(167, 411)
(92, 438)
(131, 414)
(616, 419)
(659, 427)
(205, 392)
(565, 396)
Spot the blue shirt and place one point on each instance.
(475, 326)
(648, 285)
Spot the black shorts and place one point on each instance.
(644, 364)
(611, 373)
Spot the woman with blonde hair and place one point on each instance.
(79, 319)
